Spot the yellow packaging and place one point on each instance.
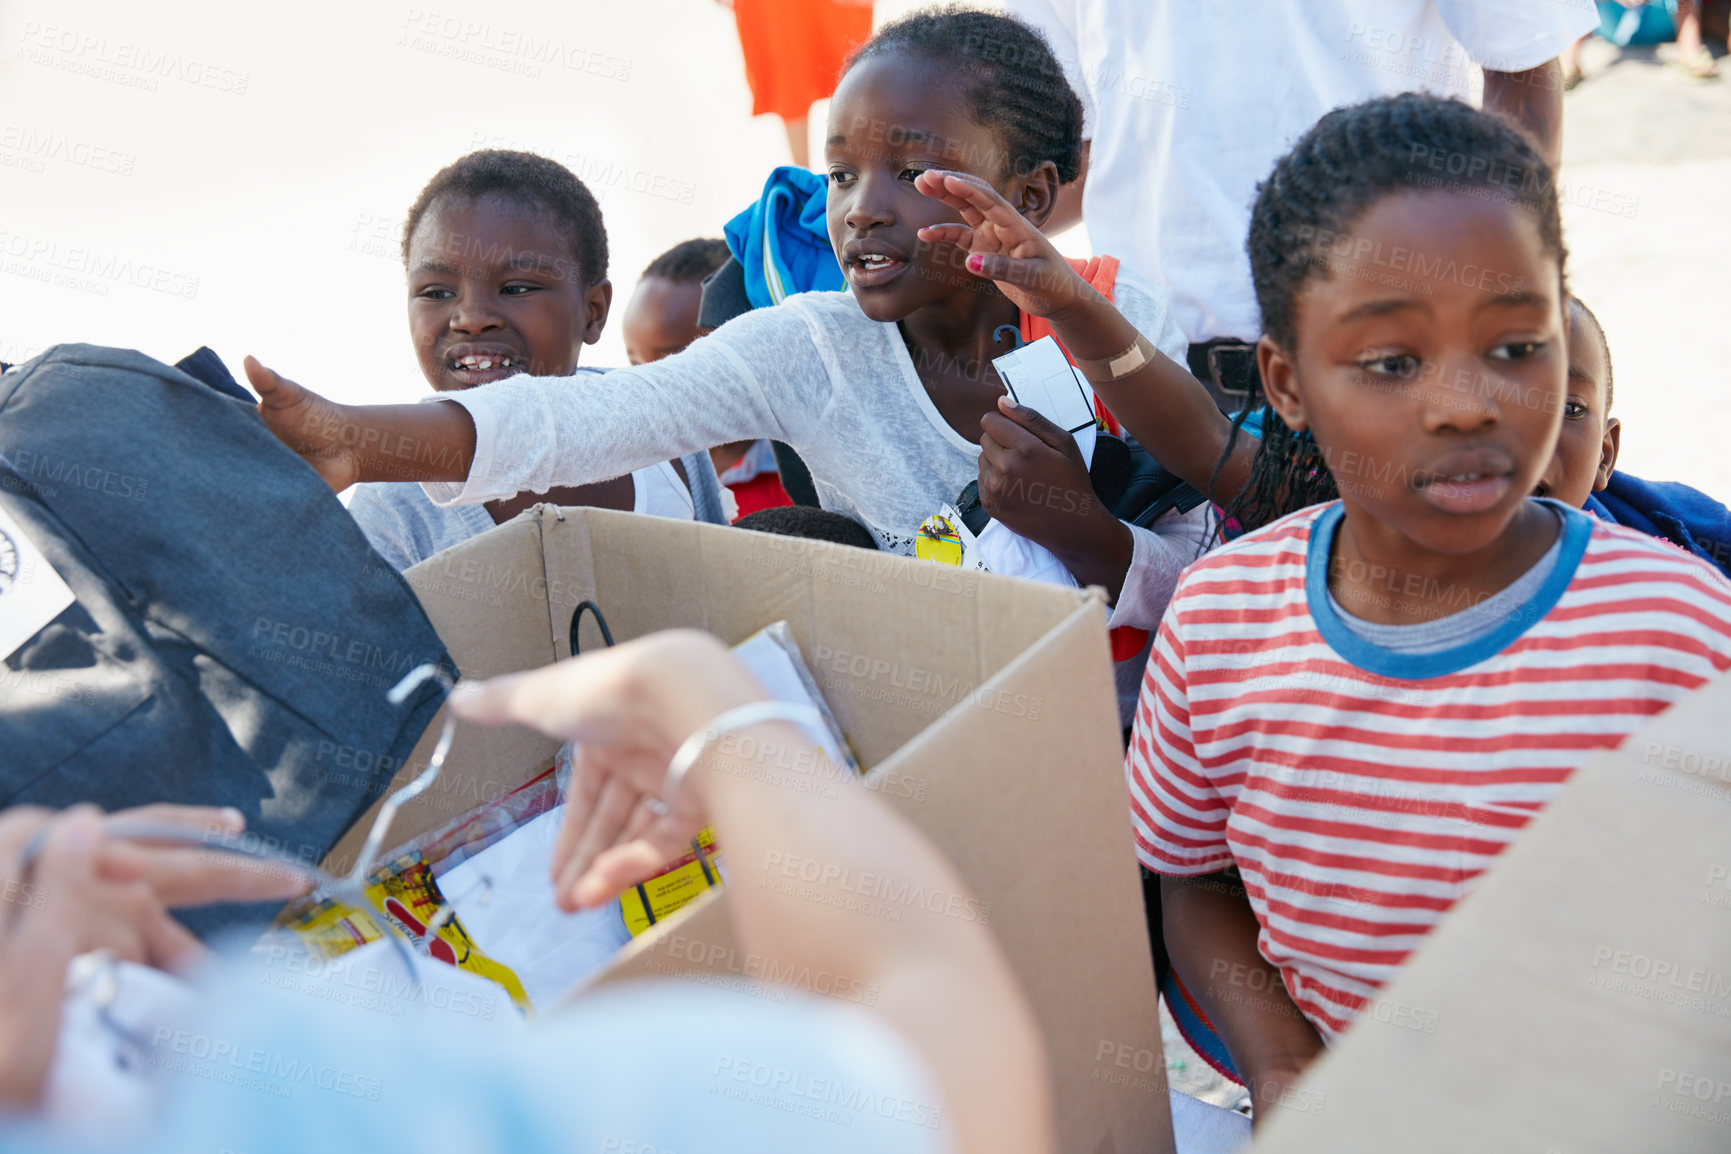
(405, 896)
(682, 882)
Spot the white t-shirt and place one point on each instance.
(815, 372)
(1189, 105)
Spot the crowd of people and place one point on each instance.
(1333, 300)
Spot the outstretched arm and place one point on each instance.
(943, 982)
(352, 443)
(763, 377)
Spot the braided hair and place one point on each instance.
(1012, 82)
(1349, 160)
(526, 177)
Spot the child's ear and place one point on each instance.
(1608, 448)
(1279, 383)
(598, 301)
(1039, 194)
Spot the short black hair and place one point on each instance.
(805, 521)
(524, 176)
(689, 261)
(1592, 318)
(1348, 161)
(1015, 85)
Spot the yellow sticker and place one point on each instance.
(681, 883)
(939, 541)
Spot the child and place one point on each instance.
(1357, 707)
(662, 320)
(1584, 471)
(506, 257)
(949, 137)
(812, 524)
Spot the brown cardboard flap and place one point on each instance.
(985, 706)
(487, 599)
(1022, 787)
(1580, 999)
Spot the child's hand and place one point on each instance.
(1033, 479)
(306, 423)
(1003, 246)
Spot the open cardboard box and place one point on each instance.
(982, 706)
(1580, 999)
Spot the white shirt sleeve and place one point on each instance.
(760, 375)
(1174, 541)
(1160, 556)
(1515, 35)
(1059, 20)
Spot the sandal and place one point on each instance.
(1698, 64)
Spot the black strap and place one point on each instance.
(795, 477)
(600, 622)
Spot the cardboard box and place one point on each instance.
(1580, 999)
(983, 706)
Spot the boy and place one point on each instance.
(1583, 473)
(506, 256)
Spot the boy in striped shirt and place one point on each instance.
(1351, 711)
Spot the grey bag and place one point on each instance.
(233, 636)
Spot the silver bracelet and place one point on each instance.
(733, 720)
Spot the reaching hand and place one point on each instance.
(86, 891)
(1002, 245)
(180, 875)
(307, 423)
(627, 709)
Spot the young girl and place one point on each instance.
(506, 256)
(949, 137)
(1357, 707)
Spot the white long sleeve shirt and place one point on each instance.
(814, 372)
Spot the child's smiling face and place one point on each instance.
(892, 117)
(1430, 367)
(495, 290)
(1588, 442)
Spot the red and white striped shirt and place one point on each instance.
(1360, 791)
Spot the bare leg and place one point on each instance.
(1691, 54)
(1689, 28)
(798, 143)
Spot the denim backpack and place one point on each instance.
(232, 636)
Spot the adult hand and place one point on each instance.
(307, 423)
(1004, 246)
(181, 875)
(1033, 479)
(72, 899)
(627, 709)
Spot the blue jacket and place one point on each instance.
(233, 634)
(1670, 511)
(782, 241)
